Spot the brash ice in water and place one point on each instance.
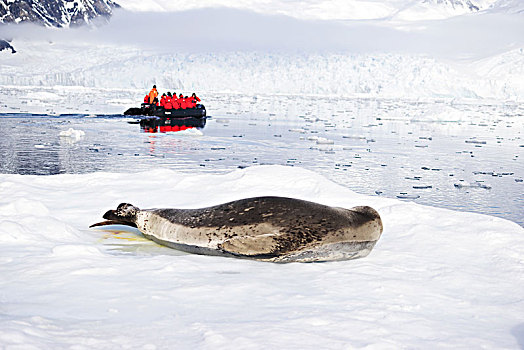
(460, 156)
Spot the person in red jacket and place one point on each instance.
(183, 102)
(193, 100)
(146, 99)
(168, 104)
(163, 100)
(176, 103)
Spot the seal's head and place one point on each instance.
(125, 214)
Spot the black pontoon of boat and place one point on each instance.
(147, 109)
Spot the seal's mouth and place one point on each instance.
(113, 222)
(114, 219)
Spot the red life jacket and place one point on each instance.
(163, 101)
(168, 104)
(146, 99)
(176, 103)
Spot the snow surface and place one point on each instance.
(435, 279)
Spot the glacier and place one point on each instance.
(387, 75)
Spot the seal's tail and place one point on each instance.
(125, 214)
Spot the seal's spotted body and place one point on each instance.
(263, 228)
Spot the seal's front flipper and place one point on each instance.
(272, 244)
(244, 245)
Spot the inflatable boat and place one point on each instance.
(147, 109)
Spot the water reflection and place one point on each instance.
(155, 124)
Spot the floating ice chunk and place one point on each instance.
(433, 169)
(492, 173)
(121, 101)
(222, 120)
(408, 196)
(43, 95)
(465, 184)
(72, 133)
(354, 137)
(413, 178)
(311, 120)
(476, 142)
(324, 141)
(302, 131)
(190, 132)
(325, 148)
(448, 114)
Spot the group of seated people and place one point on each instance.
(169, 101)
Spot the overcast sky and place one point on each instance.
(232, 29)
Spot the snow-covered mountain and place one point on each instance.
(509, 6)
(55, 13)
(64, 13)
(455, 4)
(411, 10)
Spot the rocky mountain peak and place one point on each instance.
(53, 13)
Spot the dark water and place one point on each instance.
(469, 160)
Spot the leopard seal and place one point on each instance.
(276, 229)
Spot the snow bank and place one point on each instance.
(435, 278)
